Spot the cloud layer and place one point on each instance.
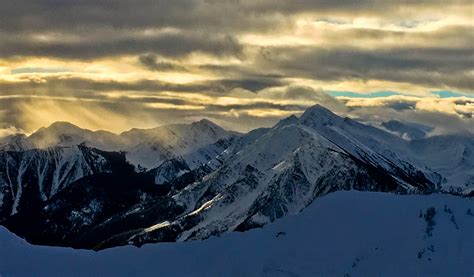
(116, 64)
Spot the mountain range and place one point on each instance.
(67, 186)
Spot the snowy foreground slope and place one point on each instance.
(341, 234)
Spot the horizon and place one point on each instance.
(429, 130)
(116, 133)
(134, 128)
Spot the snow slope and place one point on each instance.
(67, 134)
(341, 234)
(450, 155)
(151, 147)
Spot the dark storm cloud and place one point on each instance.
(27, 15)
(430, 66)
(107, 27)
(82, 87)
(255, 106)
(445, 115)
(152, 30)
(253, 85)
(167, 44)
(304, 94)
(464, 102)
(70, 86)
(448, 36)
(402, 105)
(151, 62)
(121, 14)
(397, 104)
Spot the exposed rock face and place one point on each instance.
(30, 177)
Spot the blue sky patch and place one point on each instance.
(450, 94)
(336, 93)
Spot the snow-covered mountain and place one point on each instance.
(450, 155)
(206, 181)
(408, 131)
(145, 148)
(18, 142)
(150, 147)
(282, 170)
(67, 134)
(29, 178)
(341, 234)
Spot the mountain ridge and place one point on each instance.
(168, 140)
(210, 182)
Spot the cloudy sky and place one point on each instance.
(117, 64)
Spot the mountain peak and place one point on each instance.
(292, 119)
(206, 123)
(319, 108)
(320, 114)
(62, 126)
